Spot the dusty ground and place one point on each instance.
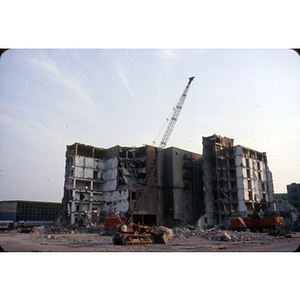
(182, 241)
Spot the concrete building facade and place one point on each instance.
(102, 181)
(236, 179)
(225, 181)
(181, 185)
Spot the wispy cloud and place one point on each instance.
(58, 74)
(124, 80)
(31, 131)
(70, 101)
(126, 84)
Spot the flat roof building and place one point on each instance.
(283, 196)
(293, 197)
(27, 210)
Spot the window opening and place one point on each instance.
(95, 174)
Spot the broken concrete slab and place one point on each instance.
(225, 237)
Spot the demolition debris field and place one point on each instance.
(182, 239)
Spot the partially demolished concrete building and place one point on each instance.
(225, 181)
(108, 181)
(181, 185)
(236, 180)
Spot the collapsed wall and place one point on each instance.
(132, 181)
(102, 181)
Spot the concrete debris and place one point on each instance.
(37, 229)
(282, 232)
(284, 209)
(169, 232)
(225, 237)
(51, 236)
(219, 234)
(294, 226)
(128, 177)
(108, 231)
(23, 230)
(178, 232)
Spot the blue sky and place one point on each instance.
(104, 97)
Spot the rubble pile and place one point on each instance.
(281, 232)
(67, 229)
(219, 234)
(284, 209)
(56, 229)
(108, 231)
(216, 233)
(294, 226)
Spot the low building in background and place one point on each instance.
(292, 195)
(293, 191)
(283, 196)
(26, 210)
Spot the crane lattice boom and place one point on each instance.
(174, 118)
(150, 174)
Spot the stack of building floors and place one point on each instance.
(226, 180)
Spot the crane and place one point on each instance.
(171, 123)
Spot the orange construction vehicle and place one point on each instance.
(255, 222)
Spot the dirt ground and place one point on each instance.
(94, 242)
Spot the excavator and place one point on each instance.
(255, 222)
(136, 234)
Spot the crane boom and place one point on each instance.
(150, 175)
(174, 118)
